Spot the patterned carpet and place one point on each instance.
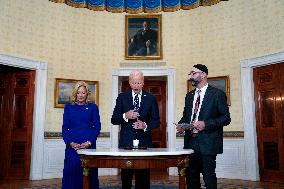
(155, 184)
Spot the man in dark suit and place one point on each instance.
(207, 112)
(137, 113)
(144, 42)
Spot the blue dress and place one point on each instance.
(81, 123)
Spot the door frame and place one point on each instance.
(248, 104)
(36, 169)
(170, 104)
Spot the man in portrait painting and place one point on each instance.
(144, 42)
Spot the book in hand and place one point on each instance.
(183, 125)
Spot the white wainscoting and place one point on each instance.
(54, 158)
(230, 164)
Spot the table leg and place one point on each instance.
(181, 179)
(181, 172)
(86, 178)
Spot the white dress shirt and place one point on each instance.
(202, 93)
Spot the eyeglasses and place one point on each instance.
(193, 73)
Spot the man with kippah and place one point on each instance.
(207, 112)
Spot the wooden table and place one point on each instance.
(134, 159)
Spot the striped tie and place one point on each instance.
(196, 106)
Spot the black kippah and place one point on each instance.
(201, 67)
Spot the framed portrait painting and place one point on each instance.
(220, 82)
(143, 37)
(64, 87)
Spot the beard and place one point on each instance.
(194, 82)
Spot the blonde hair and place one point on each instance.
(76, 88)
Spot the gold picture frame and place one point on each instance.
(135, 37)
(64, 87)
(220, 82)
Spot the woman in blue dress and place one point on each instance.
(80, 129)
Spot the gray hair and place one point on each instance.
(136, 73)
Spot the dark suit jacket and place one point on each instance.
(215, 113)
(149, 113)
(138, 46)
